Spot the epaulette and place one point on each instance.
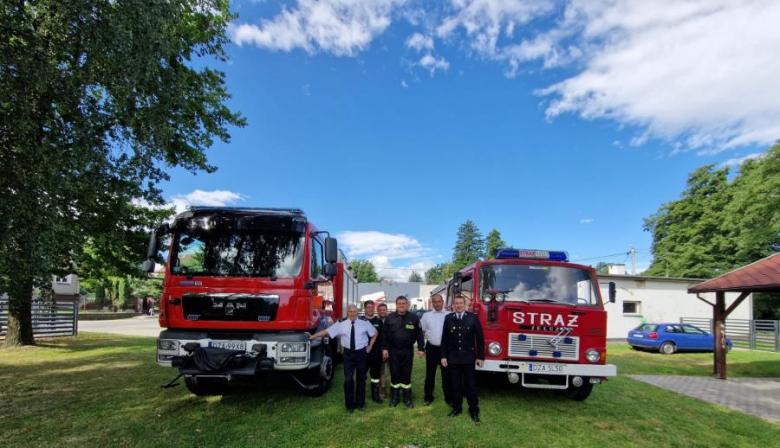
(362, 317)
(342, 319)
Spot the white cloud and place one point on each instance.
(737, 161)
(431, 63)
(340, 27)
(306, 89)
(394, 256)
(400, 273)
(700, 72)
(404, 84)
(420, 42)
(214, 198)
(586, 220)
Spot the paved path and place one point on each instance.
(134, 326)
(755, 396)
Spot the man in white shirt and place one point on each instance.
(357, 338)
(432, 324)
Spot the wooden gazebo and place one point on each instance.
(761, 276)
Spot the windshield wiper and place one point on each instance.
(551, 301)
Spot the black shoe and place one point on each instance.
(350, 410)
(361, 408)
(475, 417)
(394, 398)
(408, 398)
(427, 402)
(453, 413)
(375, 396)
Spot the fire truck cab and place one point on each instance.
(242, 288)
(543, 319)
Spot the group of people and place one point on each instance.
(451, 342)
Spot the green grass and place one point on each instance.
(104, 390)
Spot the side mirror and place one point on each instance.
(151, 252)
(331, 250)
(612, 292)
(456, 282)
(147, 266)
(330, 270)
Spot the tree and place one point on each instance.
(602, 268)
(494, 243)
(364, 271)
(101, 100)
(469, 247)
(439, 273)
(415, 277)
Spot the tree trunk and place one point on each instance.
(20, 331)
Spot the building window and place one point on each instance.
(631, 308)
(62, 280)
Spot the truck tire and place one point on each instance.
(668, 348)
(580, 393)
(202, 387)
(319, 376)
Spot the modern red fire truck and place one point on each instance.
(543, 318)
(242, 287)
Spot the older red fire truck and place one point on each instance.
(543, 318)
(242, 287)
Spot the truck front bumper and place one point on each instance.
(549, 368)
(256, 352)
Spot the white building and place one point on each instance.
(658, 299)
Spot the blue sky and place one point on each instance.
(561, 124)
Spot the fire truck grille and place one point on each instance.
(230, 307)
(539, 346)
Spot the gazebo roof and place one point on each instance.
(763, 275)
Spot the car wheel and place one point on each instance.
(320, 377)
(580, 393)
(635, 347)
(668, 348)
(728, 348)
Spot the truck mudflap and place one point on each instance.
(549, 368)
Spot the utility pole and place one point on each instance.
(633, 260)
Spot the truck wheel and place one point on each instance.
(321, 376)
(580, 393)
(201, 386)
(668, 348)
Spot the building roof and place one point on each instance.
(763, 275)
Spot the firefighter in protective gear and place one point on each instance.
(375, 357)
(399, 334)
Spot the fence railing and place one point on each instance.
(753, 334)
(49, 318)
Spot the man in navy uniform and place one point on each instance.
(463, 346)
(375, 357)
(357, 338)
(399, 333)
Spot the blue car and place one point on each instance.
(670, 338)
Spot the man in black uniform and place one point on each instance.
(375, 357)
(399, 333)
(463, 346)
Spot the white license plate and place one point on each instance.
(552, 368)
(230, 345)
(639, 335)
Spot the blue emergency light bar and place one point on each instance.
(531, 254)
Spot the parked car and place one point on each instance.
(672, 337)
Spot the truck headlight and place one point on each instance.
(294, 347)
(167, 344)
(494, 348)
(592, 355)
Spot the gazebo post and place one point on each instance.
(719, 316)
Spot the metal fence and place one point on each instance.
(49, 318)
(753, 334)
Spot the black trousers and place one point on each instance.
(401, 367)
(464, 378)
(432, 362)
(355, 365)
(375, 364)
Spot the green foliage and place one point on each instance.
(602, 268)
(766, 306)
(439, 273)
(147, 287)
(415, 277)
(494, 243)
(101, 100)
(717, 226)
(364, 270)
(100, 296)
(469, 247)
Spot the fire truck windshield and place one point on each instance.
(534, 283)
(230, 252)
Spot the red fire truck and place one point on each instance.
(242, 287)
(543, 318)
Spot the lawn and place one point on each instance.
(105, 390)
